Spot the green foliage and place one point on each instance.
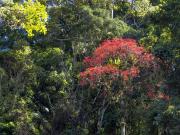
(42, 45)
(144, 7)
(31, 16)
(90, 27)
(32, 70)
(34, 17)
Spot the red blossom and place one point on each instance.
(125, 75)
(121, 48)
(129, 53)
(87, 61)
(148, 57)
(151, 94)
(160, 95)
(132, 72)
(134, 57)
(163, 96)
(92, 74)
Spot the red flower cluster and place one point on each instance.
(121, 48)
(151, 94)
(127, 50)
(92, 74)
(132, 72)
(160, 95)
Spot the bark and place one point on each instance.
(101, 113)
(123, 127)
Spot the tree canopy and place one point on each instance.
(89, 67)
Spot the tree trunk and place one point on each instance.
(112, 11)
(101, 116)
(123, 124)
(123, 127)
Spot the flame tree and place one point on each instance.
(118, 70)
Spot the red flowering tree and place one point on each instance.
(117, 57)
(118, 68)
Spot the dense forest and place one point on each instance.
(90, 67)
